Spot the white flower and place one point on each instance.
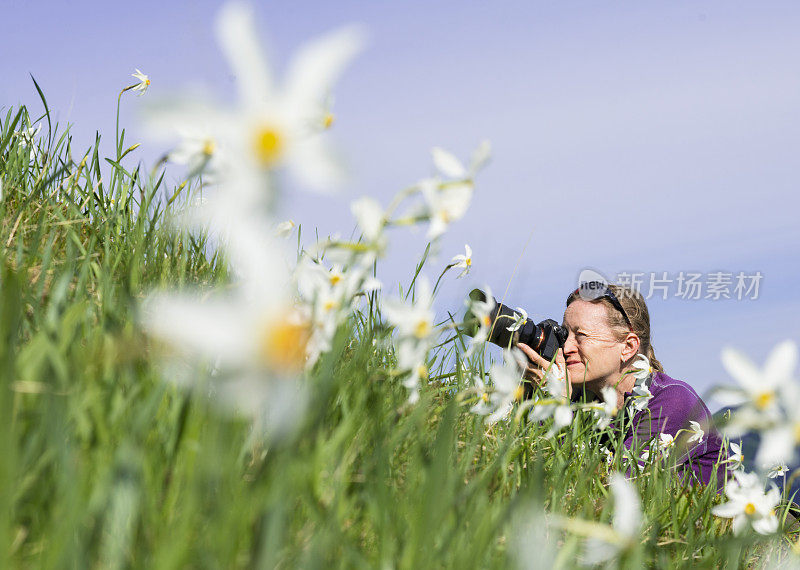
(641, 369)
(259, 346)
(269, 129)
(199, 151)
(604, 412)
(415, 320)
(144, 82)
(665, 444)
(519, 319)
(463, 261)
(625, 525)
(759, 389)
(447, 164)
(506, 389)
(641, 397)
(482, 311)
(776, 470)
(749, 504)
(735, 458)
(696, 433)
(445, 204)
(284, 229)
(371, 220)
(412, 357)
(557, 405)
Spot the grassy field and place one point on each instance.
(117, 454)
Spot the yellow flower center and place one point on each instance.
(147, 82)
(209, 146)
(422, 329)
(335, 278)
(749, 509)
(268, 145)
(487, 321)
(328, 120)
(518, 393)
(422, 371)
(330, 305)
(283, 343)
(469, 261)
(764, 399)
(485, 397)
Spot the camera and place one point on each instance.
(545, 337)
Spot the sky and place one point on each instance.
(627, 137)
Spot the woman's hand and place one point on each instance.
(537, 365)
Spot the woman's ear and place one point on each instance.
(631, 347)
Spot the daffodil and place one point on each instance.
(144, 82)
(557, 405)
(506, 390)
(641, 396)
(641, 368)
(776, 470)
(412, 358)
(463, 262)
(606, 410)
(520, 316)
(414, 320)
(626, 524)
(482, 311)
(749, 505)
(759, 393)
(735, 457)
(269, 128)
(696, 433)
(199, 151)
(285, 228)
(445, 204)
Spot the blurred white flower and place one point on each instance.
(270, 128)
(412, 358)
(414, 320)
(447, 164)
(604, 412)
(696, 433)
(759, 391)
(626, 524)
(444, 204)
(506, 389)
(482, 311)
(749, 504)
(463, 262)
(371, 220)
(144, 82)
(285, 228)
(199, 152)
(557, 405)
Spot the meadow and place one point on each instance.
(190, 383)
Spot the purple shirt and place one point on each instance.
(673, 405)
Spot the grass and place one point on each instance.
(106, 465)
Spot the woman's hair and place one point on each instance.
(636, 310)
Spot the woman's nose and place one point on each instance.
(570, 345)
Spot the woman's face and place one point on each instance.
(593, 353)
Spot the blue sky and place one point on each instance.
(626, 137)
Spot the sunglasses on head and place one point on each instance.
(598, 290)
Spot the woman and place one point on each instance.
(608, 330)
